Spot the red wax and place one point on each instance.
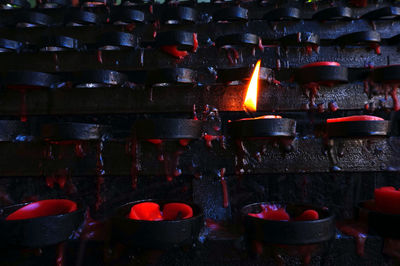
(354, 118)
(155, 141)
(184, 142)
(43, 208)
(195, 42)
(316, 64)
(150, 211)
(173, 211)
(308, 215)
(272, 212)
(387, 200)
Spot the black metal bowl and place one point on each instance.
(99, 78)
(156, 234)
(386, 74)
(383, 224)
(358, 128)
(168, 76)
(116, 40)
(75, 131)
(30, 79)
(289, 232)
(321, 74)
(235, 13)
(168, 129)
(334, 13)
(38, 232)
(258, 128)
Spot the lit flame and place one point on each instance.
(250, 102)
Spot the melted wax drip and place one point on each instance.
(170, 161)
(209, 138)
(240, 160)
(332, 153)
(90, 230)
(100, 56)
(100, 173)
(387, 89)
(232, 54)
(60, 254)
(171, 165)
(224, 187)
(173, 49)
(377, 48)
(393, 94)
(312, 92)
(211, 115)
(56, 62)
(359, 232)
(79, 151)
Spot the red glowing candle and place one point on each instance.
(387, 200)
(43, 208)
(307, 215)
(354, 118)
(272, 212)
(175, 211)
(150, 211)
(277, 213)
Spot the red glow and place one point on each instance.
(307, 215)
(272, 212)
(177, 211)
(43, 208)
(155, 141)
(354, 118)
(277, 213)
(324, 63)
(184, 142)
(387, 200)
(150, 211)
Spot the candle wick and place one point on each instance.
(249, 113)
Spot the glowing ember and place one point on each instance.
(250, 102)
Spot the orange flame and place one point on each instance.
(250, 102)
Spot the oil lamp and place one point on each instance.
(263, 126)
